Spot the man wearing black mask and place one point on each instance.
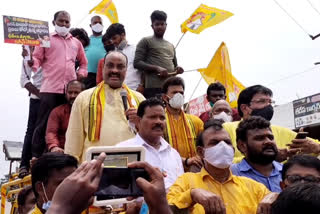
(108, 46)
(257, 101)
(256, 142)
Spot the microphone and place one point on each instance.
(123, 94)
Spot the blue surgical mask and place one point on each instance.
(45, 205)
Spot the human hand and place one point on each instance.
(305, 146)
(282, 155)
(24, 52)
(57, 149)
(162, 72)
(134, 207)
(140, 89)
(196, 160)
(264, 206)
(30, 62)
(33, 161)
(80, 77)
(132, 116)
(179, 70)
(154, 192)
(75, 193)
(211, 202)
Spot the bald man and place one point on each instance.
(222, 110)
(104, 103)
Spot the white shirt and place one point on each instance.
(27, 74)
(166, 158)
(133, 76)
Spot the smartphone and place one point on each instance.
(302, 135)
(118, 183)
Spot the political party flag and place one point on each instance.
(204, 17)
(107, 8)
(219, 69)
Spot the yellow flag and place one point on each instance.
(219, 69)
(107, 8)
(204, 17)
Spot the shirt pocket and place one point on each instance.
(72, 52)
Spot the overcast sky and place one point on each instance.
(264, 44)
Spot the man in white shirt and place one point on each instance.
(117, 35)
(32, 82)
(158, 152)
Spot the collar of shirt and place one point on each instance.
(164, 145)
(36, 210)
(66, 37)
(67, 108)
(244, 166)
(204, 173)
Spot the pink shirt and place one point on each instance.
(58, 62)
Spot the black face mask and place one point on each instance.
(266, 112)
(109, 48)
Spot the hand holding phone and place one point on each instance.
(118, 183)
(302, 135)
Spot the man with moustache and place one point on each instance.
(256, 142)
(257, 100)
(98, 116)
(59, 118)
(159, 153)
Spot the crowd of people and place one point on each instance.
(103, 91)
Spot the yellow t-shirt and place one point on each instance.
(240, 195)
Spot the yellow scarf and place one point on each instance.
(96, 109)
(189, 133)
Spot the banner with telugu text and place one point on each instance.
(26, 31)
(204, 17)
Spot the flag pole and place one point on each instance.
(179, 40)
(187, 106)
(190, 70)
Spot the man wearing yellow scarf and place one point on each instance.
(98, 117)
(181, 129)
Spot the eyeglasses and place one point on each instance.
(297, 178)
(263, 101)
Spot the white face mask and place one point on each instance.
(220, 155)
(223, 116)
(62, 31)
(176, 101)
(98, 28)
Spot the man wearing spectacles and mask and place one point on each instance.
(257, 101)
(300, 168)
